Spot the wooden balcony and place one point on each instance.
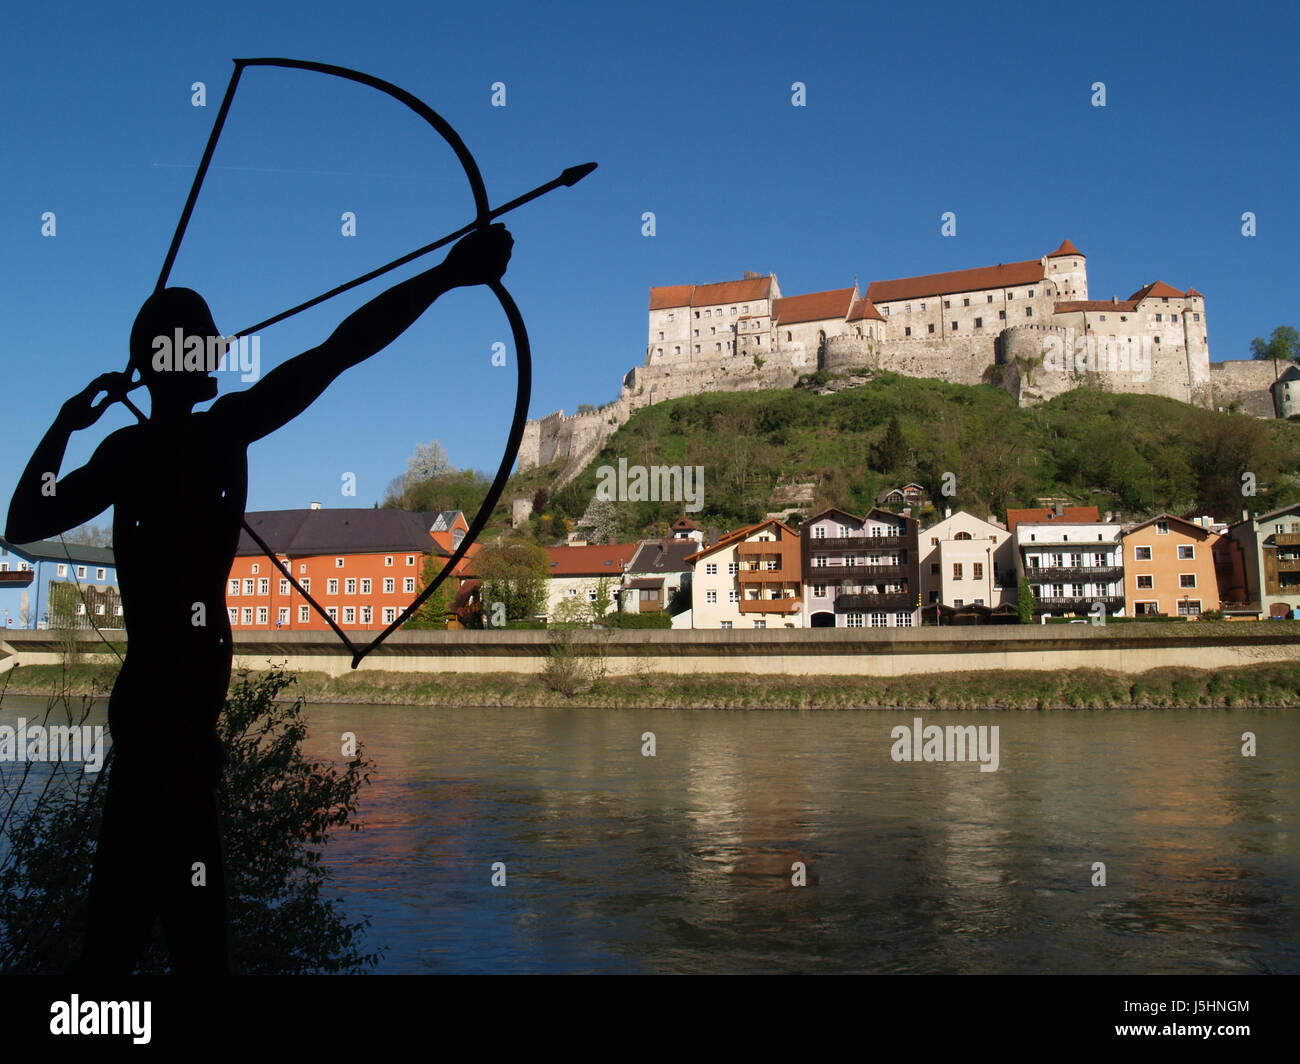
(863, 573)
(1067, 574)
(752, 548)
(1079, 602)
(781, 605)
(872, 603)
(859, 543)
(767, 576)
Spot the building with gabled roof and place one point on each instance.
(749, 578)
(364, 567)
(31, 572)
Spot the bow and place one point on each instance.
(484, 213)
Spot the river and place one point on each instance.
(683, 861)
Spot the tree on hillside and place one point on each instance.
(600, 520)
(514, 573)
(1283, 344)
(429, 460)
(890, 453)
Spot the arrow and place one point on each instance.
(568, 179)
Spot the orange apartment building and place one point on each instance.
(1169, 568)
(364, 567)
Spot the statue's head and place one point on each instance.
(175, 346)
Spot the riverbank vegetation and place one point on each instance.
(1269, 684)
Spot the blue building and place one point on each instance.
(29, 570)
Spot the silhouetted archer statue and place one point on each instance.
(178, 484)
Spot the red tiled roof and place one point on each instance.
(739, 534)
(1094, 304)
(595, 560)
(1156, 288)
(669, 296)
(1066, 248)
(1193, 292)
(864, 308)
(814, 306)
(1006, 275)
(666, 297)
(709, 295)
(1041, 514)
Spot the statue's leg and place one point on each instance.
(123, 895)
(194, 910)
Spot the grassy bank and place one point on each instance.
(1269, 684)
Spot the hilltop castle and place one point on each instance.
(1028, 327)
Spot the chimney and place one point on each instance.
(1058, 509)
(1110, 516)
(947, 512)
(315, 506)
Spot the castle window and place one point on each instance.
(886, 309)
(1011, 295)
(697, 349)
(1103, 317)
(708, 313)
(695, 332)
(697, 313)
(947, 304)
(907, 331)
(931, 328)
(965, 302)
(1002, 315)
(733, 310)
(1160, 317)
(744, 310)
(713, 330)
(1031, 293)
(1164, 299)
(954, 326)
(979, 323)
(1157, 339)
(671, 316)
(661, 336)
(922, 308)
(677, 350)
(1029, 312)
(659, 350)
(1123, 317)
(907, 307)
(990, 297)
(717, 347)
(788, 336)
(1196, 317)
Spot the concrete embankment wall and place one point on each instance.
(1131, 648)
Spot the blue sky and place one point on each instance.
(983, 110)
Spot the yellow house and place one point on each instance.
(1169, 568)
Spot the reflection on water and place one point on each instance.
(682, 862)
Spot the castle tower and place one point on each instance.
(1067, 269)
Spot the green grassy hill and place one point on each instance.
(1128, 453)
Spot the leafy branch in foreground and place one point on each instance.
(279, 808)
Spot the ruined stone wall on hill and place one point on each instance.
(1245, 382)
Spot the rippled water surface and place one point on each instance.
(681, 862)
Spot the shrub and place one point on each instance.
(279, 810)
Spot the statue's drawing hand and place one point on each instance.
(481, 257)
(81, 411)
